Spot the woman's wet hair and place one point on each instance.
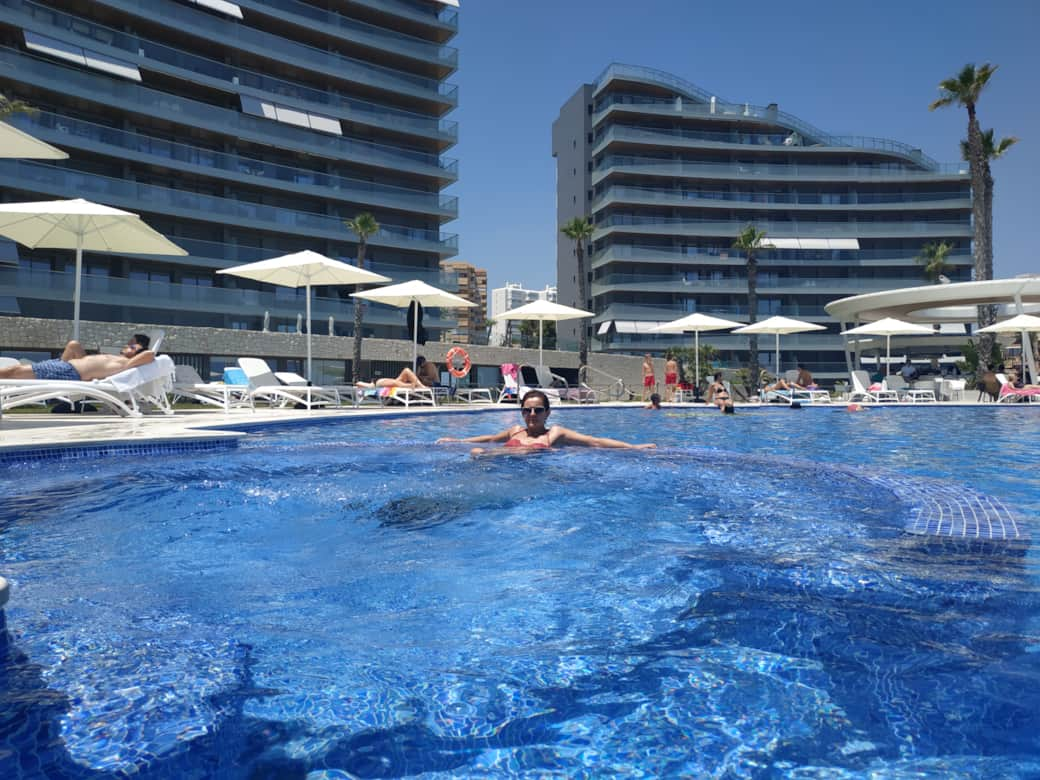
(535, 394)
(655, 399)
(729, 409)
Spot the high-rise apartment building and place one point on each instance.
(670, 173)
(509, 297)
(242, 130)
(471, 284)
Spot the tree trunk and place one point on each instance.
(752, 297)
(982, 232)
(358, 314)
(583, 297)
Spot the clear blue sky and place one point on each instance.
(848, 68)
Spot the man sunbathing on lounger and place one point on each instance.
(406, 379)
(76, 365)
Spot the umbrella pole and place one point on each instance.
(76, 288)
(777, 356)
(696, 365)
(888, 355)
(540, 361)
(310, 377)
(1027, 345)
(415, 335)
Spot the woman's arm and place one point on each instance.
(486, 437)
(563, 435)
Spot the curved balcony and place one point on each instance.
(665, 226)
(672, 311)
(182, 111)
(73, 133)
(693, 284)
(786, 142)
(647, 166)
(797, 199)
(353, 30)
(443, 17)
(724, 256)
(63, 182)
(193, 67)
(226, 33)
(280, 302)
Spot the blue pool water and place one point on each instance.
(348, 600)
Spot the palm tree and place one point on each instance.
(933, 258)
(964, 89)
(363, 226)
(749, 241)
(579, 230)
(991, 150)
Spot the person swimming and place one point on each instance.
(534, 435)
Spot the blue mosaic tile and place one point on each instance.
(93, 451)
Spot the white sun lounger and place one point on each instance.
(124, 393)
(265, 386)
(188, 384)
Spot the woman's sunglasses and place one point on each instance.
(533, 410)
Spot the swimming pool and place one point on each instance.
(345, 599)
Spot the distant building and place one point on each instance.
(470, 283)
(509, 297)
(669, 174)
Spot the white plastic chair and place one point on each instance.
(263, 384)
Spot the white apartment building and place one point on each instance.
(509, 297)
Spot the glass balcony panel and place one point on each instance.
(184, 111)
(803, 170)
(146, 197)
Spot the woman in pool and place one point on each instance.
(533, 434)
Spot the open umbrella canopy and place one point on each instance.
(543, 311)
(17, 144)
(403, 294)
(1018, 323)
(697, 323)
(81, 224)
(778, 326)
(305, 269)
(889, 327)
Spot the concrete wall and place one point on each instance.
(44, 335)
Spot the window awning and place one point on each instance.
(813, 243)
(635, 326)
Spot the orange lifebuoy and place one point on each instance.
(453, 353)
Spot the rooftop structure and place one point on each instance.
(670, 173)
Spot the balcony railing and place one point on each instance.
(138, 99)
(49, 21)
(794, 227)
(353, 29)
(64, 131)
(817, 257)
(146, 197)
(229, 33)
(803, 170)
(799, 197)
(691, 285)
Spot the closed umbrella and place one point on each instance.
(889, 327)
(305, 269)
(543, 311)
(80, 224)
(17, 144)
(778, 326)
(696, 323)
(1020, 323)
(403, 294)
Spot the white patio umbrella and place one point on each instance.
(80, 224)
(543, 311)
(779, 326)
(305, 269)
(1020, 323)
(889, 327)
(403, 294)
(15, 143)
(696, 323)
